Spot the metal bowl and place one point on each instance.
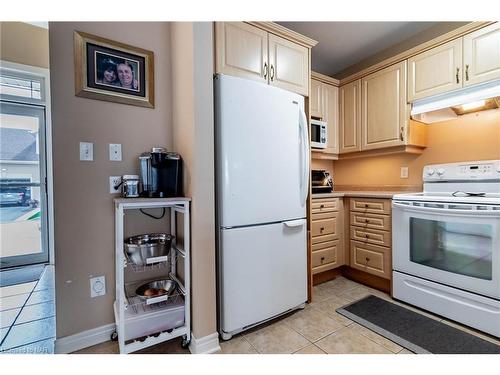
(156, 288)
(139, 248)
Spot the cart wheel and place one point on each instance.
(185, 342)
(114, 336)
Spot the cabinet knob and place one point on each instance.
(322, 259)
(367, 260)
(366, 235)
(366, 205)
(322, 229)
(322, 206)
(367, 221)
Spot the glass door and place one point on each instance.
(23, 203)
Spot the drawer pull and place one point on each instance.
(367, 221)
(367, 236)
(322, 229)
(366, 205)
(322, 206)
(322, 259)
(367, 260)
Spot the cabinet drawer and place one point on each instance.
(371, 258)
(322, 239)
(324, 205)
(377, 237)
(325, 256)
(323, 227)
(373, 206)
(373, 221)
(324, 215)
(323, 245)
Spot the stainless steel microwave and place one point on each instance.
(319, 134)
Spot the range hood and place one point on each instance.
(453, 104)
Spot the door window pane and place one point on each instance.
(460, 248)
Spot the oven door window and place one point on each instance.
(461, 248)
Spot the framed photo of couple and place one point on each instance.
(113, 71)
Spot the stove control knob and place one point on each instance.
(440, 171)
(430, 172)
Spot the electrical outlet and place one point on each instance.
(115, 152)
(114, 181)
(97, 286)
(86, 151)
(404, 172)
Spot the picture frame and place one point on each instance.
(113, 71)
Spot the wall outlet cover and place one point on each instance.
(97, 286)
(404, 172)
(114, 181)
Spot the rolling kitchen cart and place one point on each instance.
(140, 322)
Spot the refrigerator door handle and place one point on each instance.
(304, 186)
(295, 223)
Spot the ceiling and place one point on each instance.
(342, 44)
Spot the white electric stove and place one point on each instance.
(446, 244)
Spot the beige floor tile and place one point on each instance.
(311, 349)
(405, 351)
(237, 345)
(338, 285)
(347, 341)
(12, 290)
(386, 343)
(329, 306)
(321, 294)
(276, 339)
(472, 331)
(356, 293)
(312, 324)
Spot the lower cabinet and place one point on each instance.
(370, 236)
(326, 234)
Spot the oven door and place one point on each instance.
(453, 244)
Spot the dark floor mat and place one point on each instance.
(21, 275)
(414, 331)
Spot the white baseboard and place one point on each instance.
(205, 345)
(81, 340)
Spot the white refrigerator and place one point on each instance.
(262, 167)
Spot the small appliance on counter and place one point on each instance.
(161, 173)
(321, 181)
(129, 185)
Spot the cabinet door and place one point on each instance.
(435, 71)
(482, 55)
(288, 65)
(316, 99)
(383, 113)
(241, 50)
(350, 117)
(331, 116)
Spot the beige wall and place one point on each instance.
(472, 137)
(24, 44)
(426, 35)
(84, 215)
(193, 128)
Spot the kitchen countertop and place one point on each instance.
(360, 193)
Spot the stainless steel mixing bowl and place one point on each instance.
(139, 248)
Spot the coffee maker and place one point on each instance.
(161, 173)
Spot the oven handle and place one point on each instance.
(476, 213)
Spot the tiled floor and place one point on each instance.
(317, 329)
(27, 316)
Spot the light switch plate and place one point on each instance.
(115, 152)
(97, 286)
(86, 151)
(404, 172)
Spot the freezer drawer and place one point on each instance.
(262, 273)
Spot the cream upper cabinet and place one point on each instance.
(330, 96)
(316, 99)
(241, 50)
(435, 71)
(384, 108)
(288, 65)
(350, 117)
(482, 55)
